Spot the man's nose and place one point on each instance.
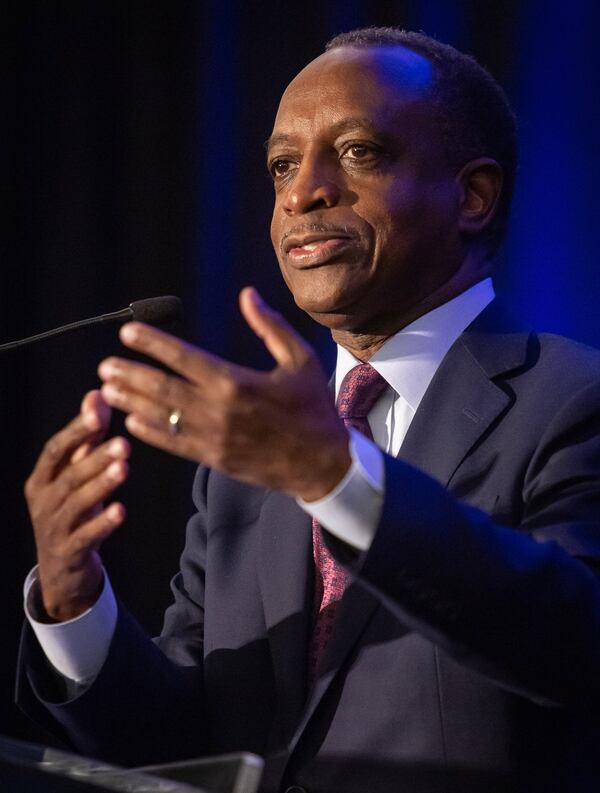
(314, 186)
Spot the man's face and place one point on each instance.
(365, 224)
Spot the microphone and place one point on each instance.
(153, 311)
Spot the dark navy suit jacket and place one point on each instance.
(467, 653)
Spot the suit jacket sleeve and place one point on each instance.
(146, 705)
(520, 604)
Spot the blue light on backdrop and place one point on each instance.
(217, 167)
(551, 254)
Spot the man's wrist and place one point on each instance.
(76, 648)
(352, 509)
(330, 477)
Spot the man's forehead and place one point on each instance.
(393, 68)
(352, 83)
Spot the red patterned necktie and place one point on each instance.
(360, 390)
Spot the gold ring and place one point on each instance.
(174, 419)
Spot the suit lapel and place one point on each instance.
(465, 399)
(446, 427)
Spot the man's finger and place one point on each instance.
(93, 403)
(126, 376)
(183, 358)
(92, 493)
(93, 533)
(157, 435)
(75, 476)
(285, 345)
(61, 446)
(147, 404)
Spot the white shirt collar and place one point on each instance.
(409, 360)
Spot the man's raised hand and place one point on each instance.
(277, 429)
(74, 474)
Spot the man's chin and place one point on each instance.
(354, 318)
(334, 317)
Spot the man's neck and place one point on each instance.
(363, 345)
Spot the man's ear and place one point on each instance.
(481, 184)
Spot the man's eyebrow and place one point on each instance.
(274, 140)
(350, 124)
(345, 125)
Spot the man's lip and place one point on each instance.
(318, 252)
(308, 239)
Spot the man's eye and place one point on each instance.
(279, 168)
(358, 151)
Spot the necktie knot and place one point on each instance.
(360, 390)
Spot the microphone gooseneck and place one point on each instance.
(152, 311)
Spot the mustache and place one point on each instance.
(318, 228)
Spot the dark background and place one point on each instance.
(132, 165)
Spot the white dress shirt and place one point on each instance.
(407, 361)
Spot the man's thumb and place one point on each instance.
(285, 345)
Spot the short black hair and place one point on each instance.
(474, 112)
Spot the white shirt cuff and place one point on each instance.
(352, 510)
(76, 648)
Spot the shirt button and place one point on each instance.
(296, 789)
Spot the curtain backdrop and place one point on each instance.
(133, 164)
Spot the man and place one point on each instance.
(438, 626)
